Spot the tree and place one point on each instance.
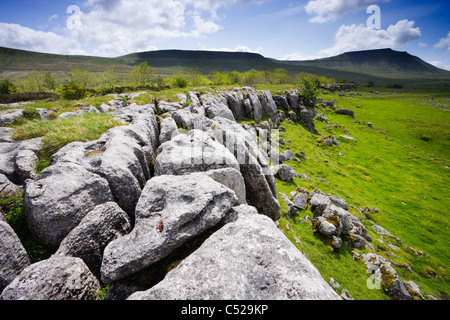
(141, 74)
(180, 80)
(49, 82)
(309, 93)
(82, 77)
(6, 87)
(73, 91)
(196, 76)
(107, 80)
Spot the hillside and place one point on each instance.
(383, 63)
(384, 66)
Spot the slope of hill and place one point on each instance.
(384, 63)
(380, 66)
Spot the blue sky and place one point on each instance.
(295, 30)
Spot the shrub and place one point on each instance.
(72, 91)
(6, 87)
(180, 81)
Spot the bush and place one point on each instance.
(72, 91)
(180, 81)
(6, 87)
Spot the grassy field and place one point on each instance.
(400, 166)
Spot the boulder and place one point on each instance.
(319, 202)
(171, 210)
(60, 197)
(306, 119)
(98, 228)
(281, 103)
(230, 178)
(58, 278)
(9, 152)
(122, 156)
(187, 120)
(339, 202)
(8, 117)
(7, 186)
(215, 108)
(346, 112)
(168, 107)
(236, 104)
(387, 276)
(348, 138)
(259, 179)
(248, 259)
(13, 257)
(195, 151)
(269, 107)
(255, 103)
(301, 200)
(168, 130)
(285, 172)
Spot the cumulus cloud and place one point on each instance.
(297, 56)
(440, 65)
(330, 10)
(238, 48)
(444, 43)
(359, 37)
(113, 27)
(16, 36)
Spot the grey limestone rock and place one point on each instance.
(195, 151)
(88, 240)
(60, 197)
(259, 179)
(248, 259)
(58, 278)
(285, 172)
(8, 117)
(13, 257)
(168, 130)
(172, 210)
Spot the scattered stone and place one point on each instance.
(348, 138)
(387, 276)
(346, 112)
(285, 172)
(346, 295)
(334, 283)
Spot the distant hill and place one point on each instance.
(381, 66)
(383, 63)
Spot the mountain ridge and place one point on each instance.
(380, 65)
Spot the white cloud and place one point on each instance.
(239, 48)
(440, 65)
(423, 45)
(296, 56)
(359, 37)
(16, 36)
(331, 10)
(53, 17)
(444, 43)
(114, 27)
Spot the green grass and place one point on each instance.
(390, 168)
(60, 132)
